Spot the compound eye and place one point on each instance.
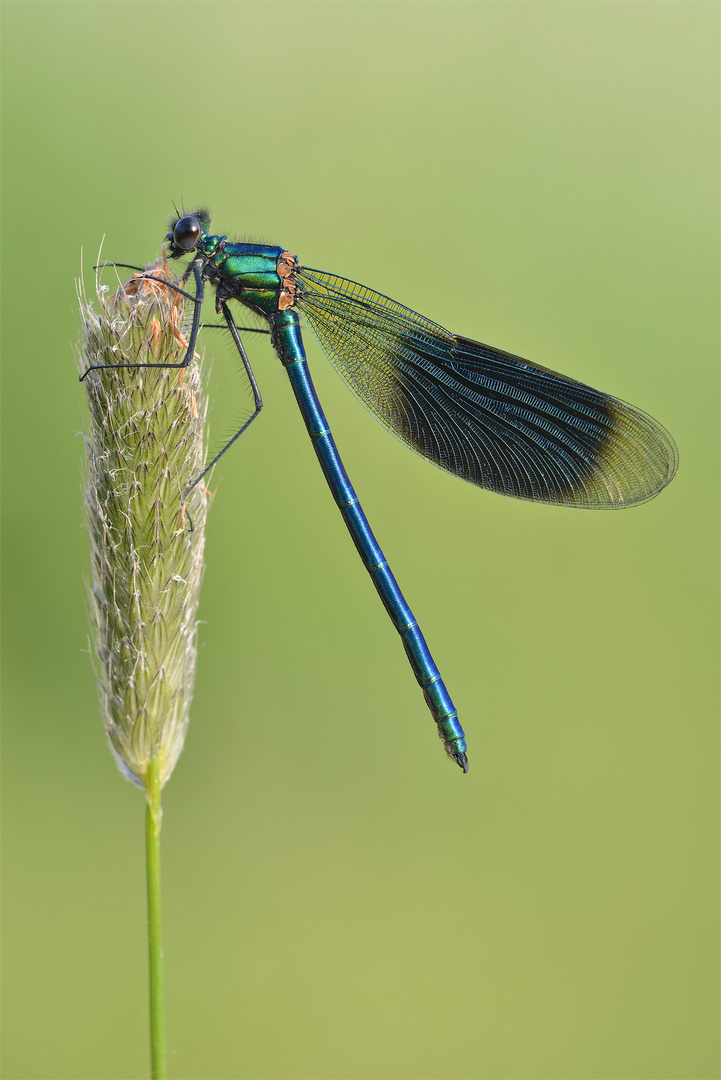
(187, 233)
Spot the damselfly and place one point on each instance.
(483, 414)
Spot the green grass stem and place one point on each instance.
(153, 820)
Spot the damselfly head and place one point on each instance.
(185, 232)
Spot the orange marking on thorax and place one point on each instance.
(287, 269)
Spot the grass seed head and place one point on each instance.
(144, 448)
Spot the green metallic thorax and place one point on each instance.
(244, 272)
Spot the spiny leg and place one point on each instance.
(148, 277)
(258, 400)
(190, 352)
(245, 329)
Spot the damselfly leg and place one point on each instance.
(197, 301)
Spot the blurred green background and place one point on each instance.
(339, 900)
